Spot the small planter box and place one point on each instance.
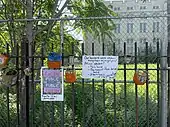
(70, 76)
(139, 78)
(54, 64)
(9, 79)
(54, 61)
(3, 60)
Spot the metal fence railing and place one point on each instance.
(140, 44)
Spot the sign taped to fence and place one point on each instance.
(104, 67)
(52, 88)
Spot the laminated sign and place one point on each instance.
(52, 84)
(104, 67)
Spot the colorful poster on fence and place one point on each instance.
(51, 84)
(104, 67)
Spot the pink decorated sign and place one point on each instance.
(51, 84)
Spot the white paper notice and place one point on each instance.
(104, 67)
(52, 88)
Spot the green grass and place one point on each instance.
(152, 87)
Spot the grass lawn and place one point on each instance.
(152, 87)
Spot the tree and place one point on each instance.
(34, 32)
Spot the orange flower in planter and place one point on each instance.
(140, 77)
(70, 76)
(3, 60)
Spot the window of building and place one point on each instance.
(117, 29)
(118, 45)
(155, 7)
(130, 28)
(156, 40)
(110, 6)
(142, 7)
(129, 41)
(129, 46)
(143, 41)
(143, 1)
(156, 26)
(143, 27)
(129, 8)
(142, 45)
(116, 8)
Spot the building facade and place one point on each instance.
(138, 21)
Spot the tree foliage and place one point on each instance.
(49, 31)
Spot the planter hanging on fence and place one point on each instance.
(54, 60)
(9, 77)
(70, 76)
(140, 77)
(3, 60)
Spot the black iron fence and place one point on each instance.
(87, 102)
(92, 102)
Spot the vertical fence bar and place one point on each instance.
(42, 102)
(114, 93)
(147, 85)
(62, 52)
(52, 102)
(163, 84)
(136, 89)
(73, 93)
(125, 99)
(158, 83)
(17, 85)
(93, 120)
(52, 114)
(104, 99)
(168, 55)
(83, 99)
(33, 85)
(62, 103)
(27, 84)
(7, 95)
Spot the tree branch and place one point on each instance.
(55, 15)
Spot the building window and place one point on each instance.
(129, 46)
(129, 41)
(117, 9)
(143, 41)
(143, 1)
(130, 28)
(118, 45)
(156, 40)
(142, 7)
(155, 7)
(143, 27)
(129, 8)
(117, 29)
(156, 26)
(110, 6)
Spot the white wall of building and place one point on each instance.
(139, 22)
(148, 26)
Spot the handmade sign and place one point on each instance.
(52, 88)
(104, 67)
(54, 60)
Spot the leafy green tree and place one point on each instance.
(46, 33)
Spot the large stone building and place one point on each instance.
(137, 21)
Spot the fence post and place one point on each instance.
(62, 51)
(164, 87)
(168, 119)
